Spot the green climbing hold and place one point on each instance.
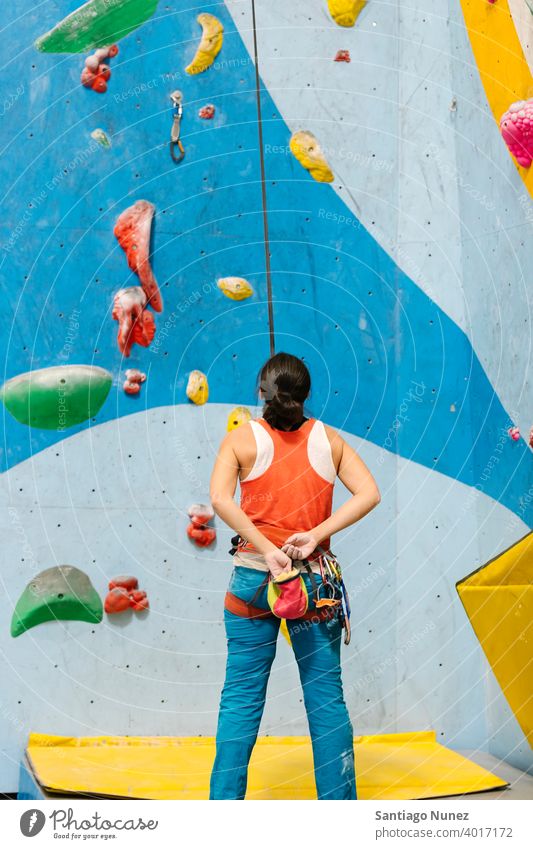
(62, 592)
(96, 24)
(56, 398)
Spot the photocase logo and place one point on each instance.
(32, 822)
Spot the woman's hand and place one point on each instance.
(277, 562)
(300, 546)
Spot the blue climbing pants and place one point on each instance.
(251, 650)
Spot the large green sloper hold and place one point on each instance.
(62, 592)
(96, 24)
(56, 398)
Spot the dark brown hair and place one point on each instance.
(285, 382)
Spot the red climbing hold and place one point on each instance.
(99, 84)
(134, 378)
(117, 600)
(87, 77)
(207, 112)
(514, 433)
(126, 582)
(133, 230)
(201, 535)
(200, 514)
(96, 73)
(139, 601)
(135, 323)
(137, 595)
(123, 594)
(342, 56)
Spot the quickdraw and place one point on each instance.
(175, 141)
(331, 593)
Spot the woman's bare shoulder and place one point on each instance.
(240, 438)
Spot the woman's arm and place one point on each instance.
(357, 478)
(222, 491)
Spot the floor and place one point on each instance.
(521, 784)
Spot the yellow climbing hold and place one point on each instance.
(345, 12)
(308, 152)
(210, 43)
(238, 417)
(236, 288)
(197, 387)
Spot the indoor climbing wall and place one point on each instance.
(341, 192)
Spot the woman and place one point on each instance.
(286, 464)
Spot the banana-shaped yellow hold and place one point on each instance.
(345, 12)
(210, 43)
(308, 152)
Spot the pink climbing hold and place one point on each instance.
(207, 112)
(133, 230)
(134, 378)
(514, 433)
(342, 56)
(96, 73)
(516, 127)
(135, 323)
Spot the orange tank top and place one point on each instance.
(290, 487)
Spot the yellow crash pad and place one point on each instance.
(498, 599)
(388, 766)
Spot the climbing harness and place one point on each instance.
(247, 610)
(330, 595)
(175, 141)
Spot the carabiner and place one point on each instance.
(329, 600)
(175, 141)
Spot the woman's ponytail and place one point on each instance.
(285, 383)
